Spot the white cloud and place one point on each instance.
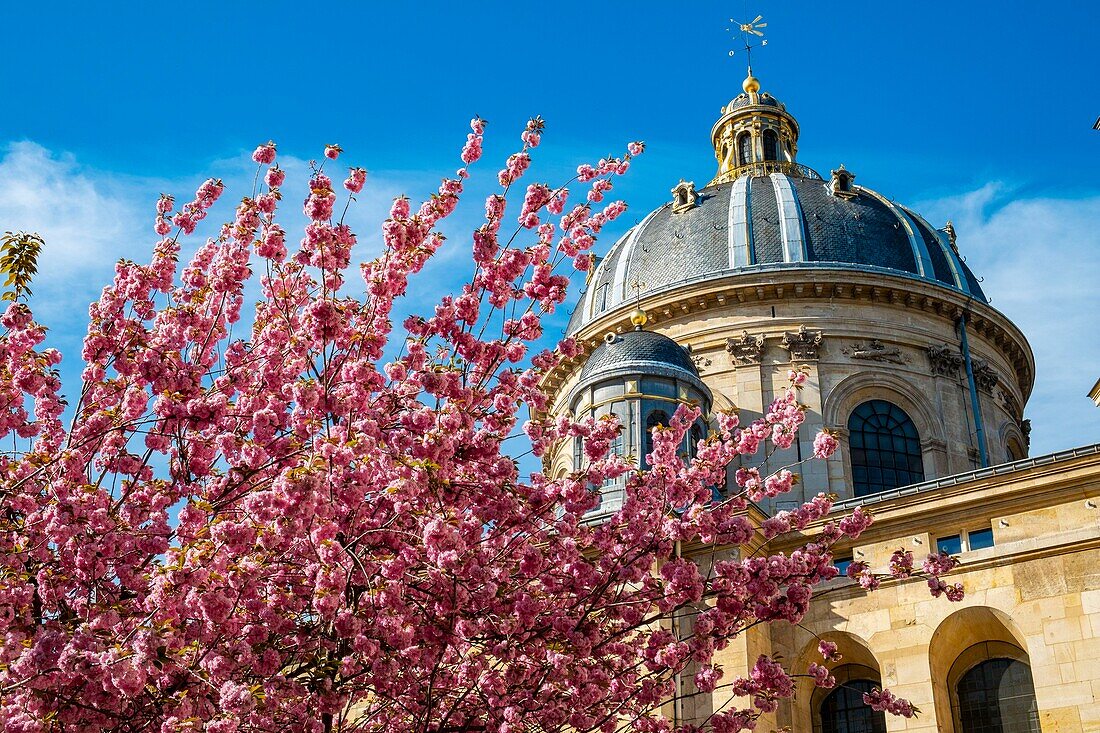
(88, 220)
(1040, 259)
(91, 218)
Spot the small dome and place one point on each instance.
(743, 100)
(637, 353)
(774, 221)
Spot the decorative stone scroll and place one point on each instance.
(802, 344)
(746, 349)
(945, 361)
(875, 350)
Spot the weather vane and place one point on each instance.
(750, 32)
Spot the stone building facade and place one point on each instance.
(771, 266)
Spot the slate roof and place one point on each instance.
(638, 347)
(862, 231)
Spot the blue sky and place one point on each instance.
(978, 112)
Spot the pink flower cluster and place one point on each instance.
(886, 701)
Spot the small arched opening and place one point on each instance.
(981, 673)
(744, 148)
(771, 145)
(841, 708)
(655, 418)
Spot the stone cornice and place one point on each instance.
(1045, 484)
(822, 281)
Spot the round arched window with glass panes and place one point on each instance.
(884, 448)
(998, 696)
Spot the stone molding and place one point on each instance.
(683, 299)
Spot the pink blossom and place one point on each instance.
(828, 651)
(901, 563)
(332, 152)
(274, 177)
(355, 180)
(886, 701)
(821, 676)
(825, 445)
(265, 154)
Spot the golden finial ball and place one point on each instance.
(638, 318)
(751, 85)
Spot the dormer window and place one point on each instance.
(684, 197)
(841, 183)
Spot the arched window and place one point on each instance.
(885, 448)
(997, 696)
(744, 147)
(771, 145)
(844, 711)
(696, 434)
(1014, 451)
(655, 418)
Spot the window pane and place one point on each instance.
(885, 448)
(951, 545)
(981, 538)
(844, 711)
(771, 145)
(745, 144)
(997, 696)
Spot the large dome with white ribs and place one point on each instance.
(765, 211)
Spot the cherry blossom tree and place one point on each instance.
(320, 525)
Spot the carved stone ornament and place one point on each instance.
(1011, 404)
(746, 349)
(803, 344)
(985, 378)
(945, 361)
(875, 350)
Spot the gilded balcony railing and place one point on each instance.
(767, 167)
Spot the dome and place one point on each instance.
(743, 100)
(640, 352)
(789, 218)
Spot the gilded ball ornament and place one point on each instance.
(638, 318)
(751, 85)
